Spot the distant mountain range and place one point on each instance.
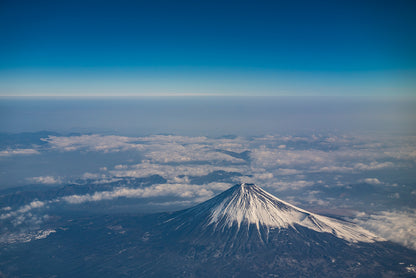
(242, 232)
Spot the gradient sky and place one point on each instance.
(104, 48)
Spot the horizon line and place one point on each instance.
(95, 96)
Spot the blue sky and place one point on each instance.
(103, 48)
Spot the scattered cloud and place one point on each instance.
(405, 153)
(373, 166)
(174, 152)
(10, 152)
(100, 143)
(281, 164)
(373, 181)
(23, 209)
(270, 158)
(290, 185)
(158, 190)
(286, 162)
(397, 226)
(288, 172)
(330, 169)
(169, 172)
(46, 180)
(92, 176)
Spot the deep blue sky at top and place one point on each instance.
(207, 47)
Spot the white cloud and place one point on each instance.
(10, 152)
(23, 209)
(270, 158)
(373, 166)
(351, 155)
(158, 148)
(185, 193)
(169, 172)
(285, 185)
(405, 153)
(394, 195)
(273, 158)
(159, 190)
(162, 139)
(174, 152)
(340, 169)
(373, 181)
(167, 149)
(288, 172)
(46, 180)
(397, 226)
(105, 179)
(354, 168)
(92, 176)
(263, 176)
(312, 199)
(101, 143)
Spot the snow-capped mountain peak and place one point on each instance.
(245, 205)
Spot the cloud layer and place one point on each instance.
(315, 170)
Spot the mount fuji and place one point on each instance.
(245, 207)
(242, 232)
